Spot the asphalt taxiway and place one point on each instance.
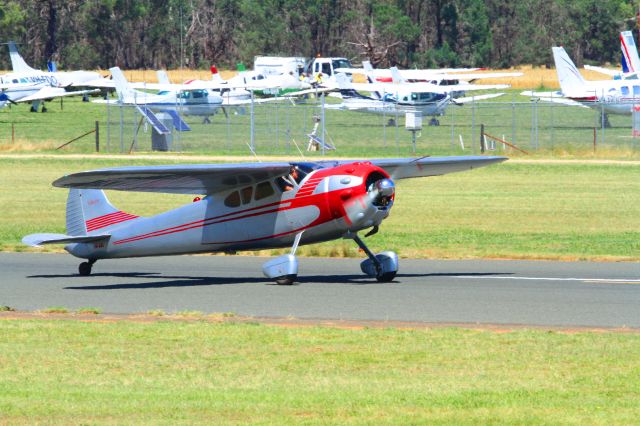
(537, 293)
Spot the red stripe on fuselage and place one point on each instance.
(108, 220)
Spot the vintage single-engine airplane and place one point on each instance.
(246, 206)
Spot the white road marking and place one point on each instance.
(585, 280)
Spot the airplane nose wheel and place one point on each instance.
(85, 267)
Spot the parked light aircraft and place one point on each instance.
(443, 76)
(198, 102)
(389, 98)
(26, 84)
(608, 96)
(247, 206)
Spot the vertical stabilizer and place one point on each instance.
(122, 85)
(163, 78)
(630, 59)
(17, 63)
(396, 77)
(568, 75)
(215, 75)
(89, 212)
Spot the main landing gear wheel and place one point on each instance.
(84, 268)
(286, 280)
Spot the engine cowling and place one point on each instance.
(369, 202)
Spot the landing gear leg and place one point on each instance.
(85, 267)
(284, 269)
(383, 266)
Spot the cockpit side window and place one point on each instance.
(232, 200)
(263, 190)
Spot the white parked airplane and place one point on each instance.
(444, 76)
(198, 102)
(26, 84)
(610, 96)
(389, 98)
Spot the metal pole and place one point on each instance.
(97, 136)
(473, 123)
(513, 118)
(121, 128)
(323, 126)
(253, 148)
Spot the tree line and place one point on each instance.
(169, 34)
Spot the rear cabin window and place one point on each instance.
(232, 200)
(264, 190)
(246, 194)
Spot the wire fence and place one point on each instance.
(315, 128)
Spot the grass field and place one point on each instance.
(513, 210)
(197, 372)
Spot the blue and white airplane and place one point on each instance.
(26, 84)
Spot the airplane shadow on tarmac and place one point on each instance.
(163, 281)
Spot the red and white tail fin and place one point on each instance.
(215, 75)
(630, 59)
(90, 212)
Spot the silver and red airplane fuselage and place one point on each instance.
(325, 205)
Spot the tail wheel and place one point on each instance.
(84, 269)
(386, 277)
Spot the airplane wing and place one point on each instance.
(602, 70)
(212, 178)
(48, 92)
(468, 99)
(404, 168)
(555, 97)
(175, 179)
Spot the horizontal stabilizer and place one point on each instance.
(36, 240)
(153, 120)
(177, 121)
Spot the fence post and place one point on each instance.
(97, 136)
(482, 147)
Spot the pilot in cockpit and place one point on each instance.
(296, 175)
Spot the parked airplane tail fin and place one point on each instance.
(17, 63)
(568, 75)
(163, 78)
(215, 75)
(630, 59)
(122, 85)
(90, 212)
(396, 77)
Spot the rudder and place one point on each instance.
(89, 210)
(568, 75)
